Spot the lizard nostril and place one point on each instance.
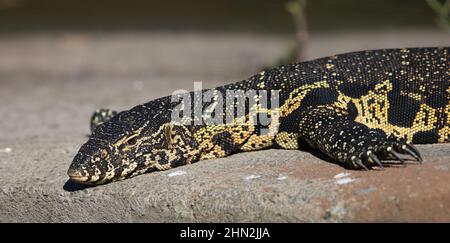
(76, 175)
(73, 173)
(103, 153)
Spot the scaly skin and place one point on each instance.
(362, 109)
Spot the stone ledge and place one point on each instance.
(263, 186)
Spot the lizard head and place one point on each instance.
(122, 147)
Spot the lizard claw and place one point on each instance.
(375, 159)
(359, 162)
(391, 151)
(411, 150)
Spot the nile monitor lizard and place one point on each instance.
(362, 109)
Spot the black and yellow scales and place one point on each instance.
(361, 109)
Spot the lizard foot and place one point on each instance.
(101, 116)
(350, 143)
(376, 152)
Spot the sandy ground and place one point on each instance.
(51, 83)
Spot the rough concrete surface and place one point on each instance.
(50, 84)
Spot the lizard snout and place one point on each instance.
(76, 175)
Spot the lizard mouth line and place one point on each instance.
(79, 179)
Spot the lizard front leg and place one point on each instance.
(101, 116)
(351, 143)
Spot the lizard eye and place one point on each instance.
(132, 141)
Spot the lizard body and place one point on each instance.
(361, 109)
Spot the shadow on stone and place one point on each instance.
(71, 186)
(303, 146)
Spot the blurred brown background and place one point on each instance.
(215, 15)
